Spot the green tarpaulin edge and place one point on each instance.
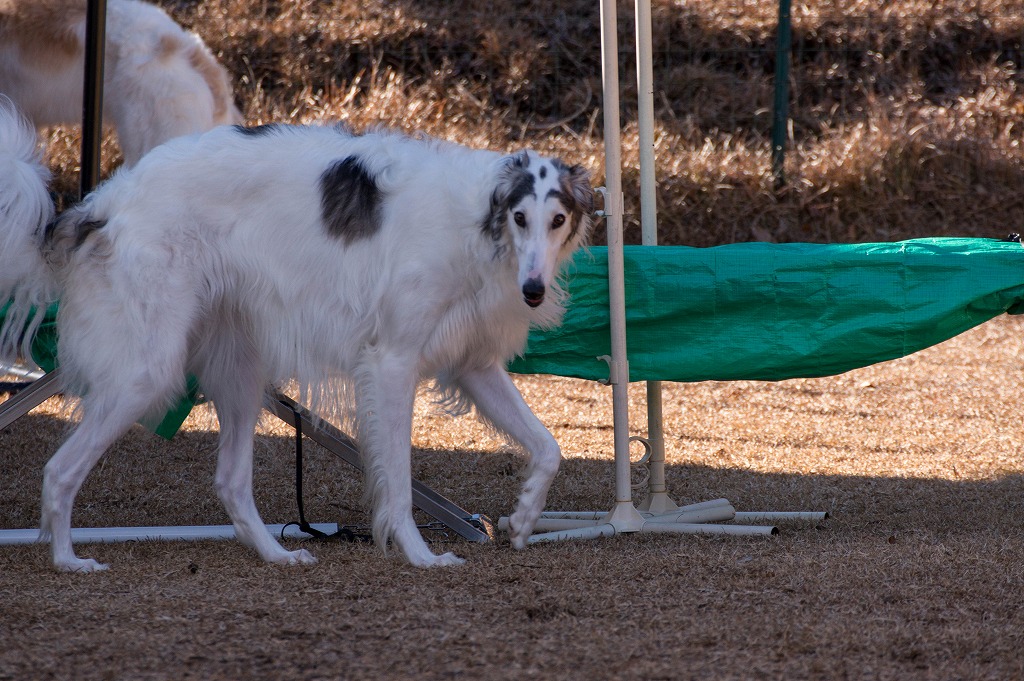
(754, 311)
(44, 354)
(768, 312)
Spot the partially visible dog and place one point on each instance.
(159, 80)
(359, 266)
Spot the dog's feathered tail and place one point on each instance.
(25, 210)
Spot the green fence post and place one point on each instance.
(92, 101)
(780, 113)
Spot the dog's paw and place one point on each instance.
(82, 565)
(519, 531)
(446, 560)
(300, 557)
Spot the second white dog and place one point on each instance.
(160, 81)
(357, 265)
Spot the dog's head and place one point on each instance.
(541, 208)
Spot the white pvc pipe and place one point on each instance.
(719, 514)
(720, 509)
(775, 516)
(702, 528)
(86, 535)
(557, 524)
(619, 364)
(657, 491)
(574, 515)
(604, 530)
(712, 503)
(645, 93)
(550, 524)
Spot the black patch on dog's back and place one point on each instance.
(66, 233)
(258, 130)
(350, 200)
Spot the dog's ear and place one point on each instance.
(512, 183)
(517, 161)
(576, 183)
(512, 172)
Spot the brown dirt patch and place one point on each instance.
(917, 574)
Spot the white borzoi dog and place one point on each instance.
(160, 81)
(251, 257)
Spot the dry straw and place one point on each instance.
(906, 117)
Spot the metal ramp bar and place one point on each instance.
(29, 398)
(465, 524)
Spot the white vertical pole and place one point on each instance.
(645, 93)
(657, 500)
(624, 515)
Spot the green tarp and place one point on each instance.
(768, 312)
(759, 311)
(44, 352)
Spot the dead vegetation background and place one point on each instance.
(906, 121)
(906, 115)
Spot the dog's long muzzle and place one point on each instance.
(533, 292)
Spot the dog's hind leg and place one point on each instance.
(386, 391)
(231, 379)
(106, 415)
(123, 348)
(500, 403)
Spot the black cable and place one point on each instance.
(343, 532)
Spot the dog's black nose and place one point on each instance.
(533, 292)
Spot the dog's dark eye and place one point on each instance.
(558, 221)
(520, 218)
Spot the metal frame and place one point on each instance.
(467, 525)
(473, 527)
(658, 512)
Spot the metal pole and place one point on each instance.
(645, 93)
(780, 114)
(29, 398)
(466, 524)
(92, 95)
(110, 535)
(624, 515)
(657, 499)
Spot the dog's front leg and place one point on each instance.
(386, 392)
(236, 392)
(499, 402)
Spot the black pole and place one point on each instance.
(780, 114)
(92, 100)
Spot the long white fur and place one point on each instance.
(211, 256)
(25, 207)
(160, 81)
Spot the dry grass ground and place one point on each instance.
(906, 117)
(916, 575)
(906, 122)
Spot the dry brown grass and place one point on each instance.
(916, 575)
(906, 118)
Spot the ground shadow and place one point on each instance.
(145, 480)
